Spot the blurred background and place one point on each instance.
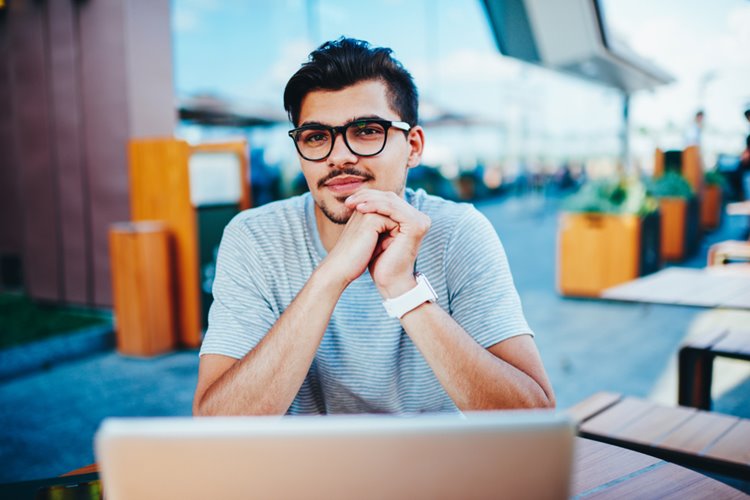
(131, 131)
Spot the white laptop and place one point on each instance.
(512, 454)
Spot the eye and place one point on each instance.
(367, 130)
(313, 137)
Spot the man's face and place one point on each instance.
(342, 173)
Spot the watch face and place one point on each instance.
(421, 278)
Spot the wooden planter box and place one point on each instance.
(680, 235)
(598, 251)
(711, 207)
(142, 283)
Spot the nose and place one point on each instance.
(340, 154)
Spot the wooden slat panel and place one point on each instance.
(617, 417)
(700, 431)
(41, 259)
(106, 126)
(669, 482)
(659, 422)
(11, 230)
(597, 464)
(734, 446)
(66, 139)
(593, 405)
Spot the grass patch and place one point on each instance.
(22, 320)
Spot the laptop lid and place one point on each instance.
(512, 454)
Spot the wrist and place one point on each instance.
(422, 292)
(322, 278)
(398, 286)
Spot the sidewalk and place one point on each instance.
(48, 418)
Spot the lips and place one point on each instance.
(345, 184)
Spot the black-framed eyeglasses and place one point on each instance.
(366, 137)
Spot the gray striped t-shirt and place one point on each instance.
(366, 363)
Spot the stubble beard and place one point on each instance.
(340, 219)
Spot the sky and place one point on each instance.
(245, 51)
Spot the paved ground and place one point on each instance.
(47, 419)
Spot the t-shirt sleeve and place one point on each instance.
(482, 296)
(240, 315)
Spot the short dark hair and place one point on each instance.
(344, 62)
(747, 113)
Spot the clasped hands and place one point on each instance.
(383, 234)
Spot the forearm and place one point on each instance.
(267, 379)
(473, 377)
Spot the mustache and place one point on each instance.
(344, 171)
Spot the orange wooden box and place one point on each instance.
(142, 288)
(596, 251)
(673, 228)
(711, 207)
(160, 190)
(692, 166)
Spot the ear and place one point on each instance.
(415, 138)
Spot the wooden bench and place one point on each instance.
(686, 436)
(696, 361)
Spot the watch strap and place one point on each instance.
(396, 307)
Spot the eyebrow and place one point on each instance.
(355, 119)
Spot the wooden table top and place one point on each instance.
(605, 471)
(716, 286)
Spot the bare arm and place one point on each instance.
(267, 379)
(508, 374)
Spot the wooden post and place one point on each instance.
(142, 288)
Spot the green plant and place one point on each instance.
(671, 184)
(22, 320)
(611, 196)
(715, 178)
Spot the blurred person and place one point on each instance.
(744, 169)
(322, 302)
(694, 133)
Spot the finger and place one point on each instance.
(387, 204)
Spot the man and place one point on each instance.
(694, 133)
(298, 323)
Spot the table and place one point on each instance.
(696, 362)
(715, 286)
(605, 471)
(599, 471)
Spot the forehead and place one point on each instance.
(335, 107)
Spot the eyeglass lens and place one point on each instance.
(363, 138)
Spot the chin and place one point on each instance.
(336, 216)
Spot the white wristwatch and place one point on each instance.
(423, 292)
